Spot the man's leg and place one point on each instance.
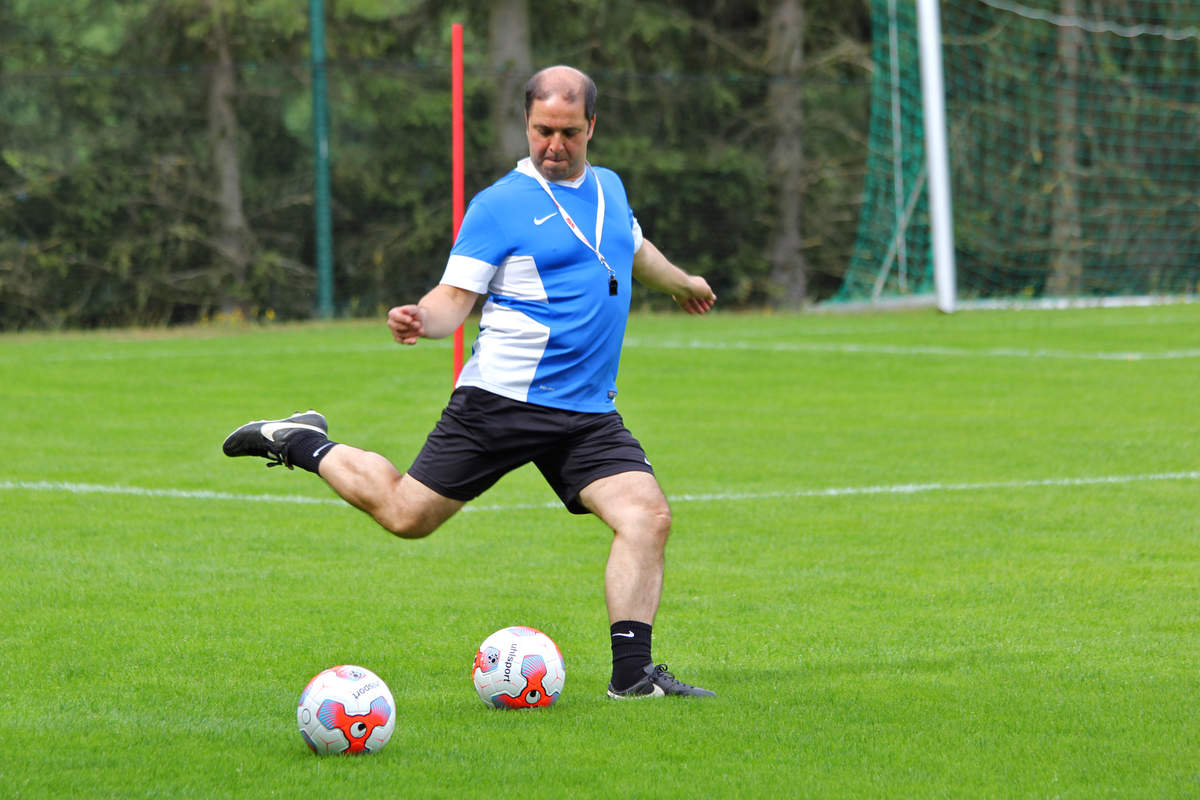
(633, 505)
(366, 480)
(400, 503)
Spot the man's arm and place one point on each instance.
(691, 292)
(438, 314)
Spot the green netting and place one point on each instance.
(1074, 145)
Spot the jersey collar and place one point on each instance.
(525, 167)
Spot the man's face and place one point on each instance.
(558, 134)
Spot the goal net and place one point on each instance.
(1073, 136)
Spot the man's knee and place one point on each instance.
(659, 515)
(631, 503)
(406, 525)
(646, 517)
(414, 511)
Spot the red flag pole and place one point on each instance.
(456, 139)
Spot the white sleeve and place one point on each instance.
(468, 273)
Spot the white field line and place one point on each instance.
(915, 350)
(787, 494)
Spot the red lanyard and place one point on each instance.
(526, 166)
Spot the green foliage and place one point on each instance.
(109, 212)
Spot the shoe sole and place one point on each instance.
(658, 692)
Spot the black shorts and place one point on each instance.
(482, 436)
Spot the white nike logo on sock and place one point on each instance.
(317, 452)
(625, 635)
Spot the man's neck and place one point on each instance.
(573, 182)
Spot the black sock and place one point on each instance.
(631, 653)
(305, 449)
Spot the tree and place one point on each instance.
(1066, 271)
(511, 62)
(785, 104)
(233, 238)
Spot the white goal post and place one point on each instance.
(933, 96)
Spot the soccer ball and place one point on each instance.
(346, 709)
(519, 667)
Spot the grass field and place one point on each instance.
(915, 555)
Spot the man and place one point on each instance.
(553, 245)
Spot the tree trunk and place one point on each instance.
(785, 54)
(511, 61)
(1066, 269)
(233, 235)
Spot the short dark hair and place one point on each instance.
(537, 89)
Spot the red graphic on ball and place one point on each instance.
(356, 727)
(533, 669)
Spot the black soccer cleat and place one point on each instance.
(267, 438)
(659, 682)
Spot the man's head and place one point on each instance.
(560, 116)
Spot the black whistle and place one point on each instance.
(612, 287)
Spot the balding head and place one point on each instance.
(566, 82)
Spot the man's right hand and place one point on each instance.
(439, 313)
(406, 323)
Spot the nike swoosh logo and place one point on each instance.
(537, 221)
(271, 428)
(625, 635)
(325, 446)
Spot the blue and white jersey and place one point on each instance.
(550, 333)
